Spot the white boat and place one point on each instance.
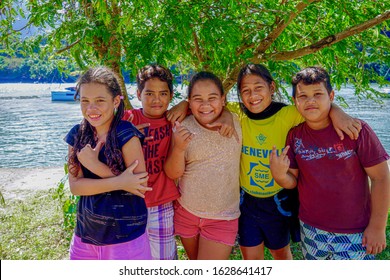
(66, 94)
(385, 92)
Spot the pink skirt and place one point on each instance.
(137, 249)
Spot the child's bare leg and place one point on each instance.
(211, 250)
(282, 254)
(253, 253)
(191, 246)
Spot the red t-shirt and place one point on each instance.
(155, 153)
(333, 186)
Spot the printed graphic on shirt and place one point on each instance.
(155, 162)
(259, 175)
(259, 169)
(337, 151)
(261, 138)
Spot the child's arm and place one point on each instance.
(89, 158)
(374, 236)
(224, 122)
(86, 186)
(175, 163)
(285, 176)
(342, 122)
(143, 127)
(178, 112)
(132, 151)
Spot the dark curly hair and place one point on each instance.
(154, 71)
(311, 75)
(87, 133)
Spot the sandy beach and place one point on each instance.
(17, 183)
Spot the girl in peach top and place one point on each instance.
(207, 166)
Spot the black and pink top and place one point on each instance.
(111, 217)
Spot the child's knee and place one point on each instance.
(282, 253)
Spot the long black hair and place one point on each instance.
(87, 133)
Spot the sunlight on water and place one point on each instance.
(32, 127)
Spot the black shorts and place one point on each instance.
(261, 221)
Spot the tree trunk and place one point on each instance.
(126, 100)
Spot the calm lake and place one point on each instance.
(32, 127)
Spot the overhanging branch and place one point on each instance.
(329, 40)
(281, 26)
(197, 48)
(68, 46)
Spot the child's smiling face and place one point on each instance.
(155, 98)
(256, 93)
(97, 105)
(206, 101)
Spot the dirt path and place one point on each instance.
(18, 182)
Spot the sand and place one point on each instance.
(18, 183)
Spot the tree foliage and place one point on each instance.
(350, 38)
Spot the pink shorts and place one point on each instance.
(188, 225)
(137, 249)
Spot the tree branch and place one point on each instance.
(267, 42)
(68, 46)
(197, 48)
(329, 40)
(13, 31)
(229, 81)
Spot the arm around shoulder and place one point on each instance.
(344, 123)
(178, 112)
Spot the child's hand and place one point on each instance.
(178, 112)
(374, 240)
(225, 130)
(132, 183)
(343, 123)
(144, 128)
(279, 165)
(88, 156)
(130, 118)
(350, 126)
(226, 125)
(181, 136)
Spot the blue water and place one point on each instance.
(32, 127)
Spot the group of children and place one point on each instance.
(146, 175)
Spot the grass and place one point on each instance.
(32, 228)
